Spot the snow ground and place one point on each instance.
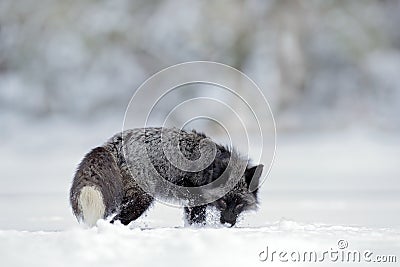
(323, 187)
(117, 245)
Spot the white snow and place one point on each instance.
(117, 245)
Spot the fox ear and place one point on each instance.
(252, 176)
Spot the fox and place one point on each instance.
(116, 180)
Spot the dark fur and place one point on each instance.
(98, 169)
(106, 168)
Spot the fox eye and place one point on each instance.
(222, 204)
(239, 208)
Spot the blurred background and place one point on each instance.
(329, 69)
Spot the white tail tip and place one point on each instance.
(91, 205)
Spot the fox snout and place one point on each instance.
(228, 217)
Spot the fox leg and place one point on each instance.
(196, 215)
(134, 204)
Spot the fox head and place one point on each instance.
(242, 197)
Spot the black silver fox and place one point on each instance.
(115, 180)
